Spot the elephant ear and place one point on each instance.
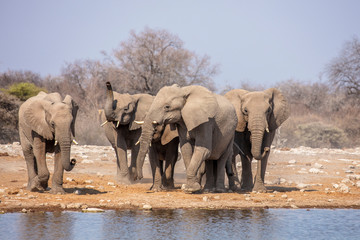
(170, 132)
(281, 109)
(74, 108)
(200, 106)
(235, 97)
(36, 115)
(143, 103)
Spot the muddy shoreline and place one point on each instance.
(296, 178)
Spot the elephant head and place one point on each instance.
(54, 119)
(192, 105)
(124, 109)
(259, 112)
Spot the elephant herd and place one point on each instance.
(210, 130)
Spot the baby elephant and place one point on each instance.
(47, 124)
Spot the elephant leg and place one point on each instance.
(199, 156)
(232, 174)
(31, 168)
(171, 157)
(210, 176)
(156, 169)
(246, 174)
(134, 154)
(122, 172)
(40, 182)
(220, 170)
(57, 179)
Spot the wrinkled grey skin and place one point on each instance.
(162, 157)
(206, 123)
(259, 115)
(124, 113)
(44, 119)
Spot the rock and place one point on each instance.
(357, 184)
(336, 186)
(89, 186)
(293, 161)
(314, 170)
(24, 210)
(284, 196)
(69, 179)
(294, 206)
(344, 188)
(93, 210)
(89, 181)
(147, 207)
(353, 177)
(206, 199)
(62, 205)
(111, 184)
(217, 197)
(2, 190)
(77, 192)
(73, 205)
(247, 199)
(302, 185)
(31, 197)
(318, 165)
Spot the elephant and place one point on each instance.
(124, 115)
(47, 125)
(259, 114)
(206, 124)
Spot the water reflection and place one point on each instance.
(184, 224)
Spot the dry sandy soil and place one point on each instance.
(296, 178)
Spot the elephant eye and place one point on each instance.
(52, 124)
(167, 108)
(246, 111)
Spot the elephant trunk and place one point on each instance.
(257, 135)
(65, 145)
(145, 141)
(109, 104)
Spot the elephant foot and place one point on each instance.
(57, 190)
(125, 180)
(209, 190)
(191, 188)
(169, 184)
(259, 188)
(220, 190)
(156, 188)
(35, 186)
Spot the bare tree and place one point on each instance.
(344, 70)
(152, 59)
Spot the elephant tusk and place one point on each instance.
(267, 129)
(104, 123)
(56, 142)
(266, 150)
(118, 123)
(137, 143)
(139, 122)
(74, 141)
(155, 122)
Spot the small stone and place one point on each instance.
(89, 181)
(73, 205)
(183, 187)
(344, 188)
(2, 190)
(318, 165)
(247, 199)
(272, 195)
(77, 192)
(284, 196)
(89, 186)
(62, 205)
(147, 207)
(69, 179)
(352, 167)
(294, 206)
(357, 184)
(349, 171)
(335, 185)
(302, 185)
(217, 197)
(290, 200)
(330, 200)
(206, 199)
(293, 161)
(302, 190)
(314, 170)
(111, 184)
(93, 210)
(24, 210)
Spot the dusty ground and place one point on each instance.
(296, 178)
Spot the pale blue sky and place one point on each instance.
(258, 42)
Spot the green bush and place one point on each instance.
(319, 135)
(23, 90)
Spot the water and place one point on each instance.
(184, 224)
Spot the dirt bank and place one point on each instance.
(296, 178)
